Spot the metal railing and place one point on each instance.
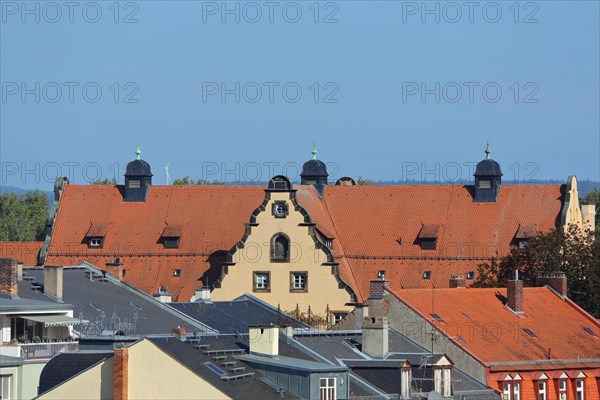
(42, 351)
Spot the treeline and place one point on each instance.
(23, 217)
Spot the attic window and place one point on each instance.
(134, 184)
(428, 235)
(470, 275)
(95, 242)
(427, 275)
(177, 273)
(171, 243)
(590, 331)
(170, 236)
(485, 184)
(530, 332)
(437, 317)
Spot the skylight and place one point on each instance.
(434, 315)
(530, 332)
(589, 330)
(96, 306)
(215, 369)
(135, 305)
(427, 275)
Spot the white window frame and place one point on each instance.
(516, 390)
(506, 394)
(299, 280)
(261, 281)
(580, 389)
(327, 389)
(542, 392)
(447, 382)
(95, 242)
(5, 381)
(437, 380)
(405, 376)
(134, 184)
(562, 389)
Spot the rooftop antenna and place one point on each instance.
(167, 172)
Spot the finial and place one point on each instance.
(314, 152)
(487, 151)
(138, 152)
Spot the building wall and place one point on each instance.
(529, 387)
(95, 383)
(409, 323)
(155, 375)
(15, 374)
(30, 378)
(323, 288)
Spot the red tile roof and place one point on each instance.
(373, 227)
(25, 252)
(493, 333)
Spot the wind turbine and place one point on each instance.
(167, 172)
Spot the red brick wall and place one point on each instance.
(514, 295)
(121, 374)
(529, 388)
(8, 276)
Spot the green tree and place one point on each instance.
(574, 252)
(105, 181)
(23, 217)
(593, 197)
(364, 182)
(190, 181)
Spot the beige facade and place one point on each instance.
(155, 375)
(582, 216)
(93, 383)
(304, 277)
(150, 374)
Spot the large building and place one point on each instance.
(299, 245)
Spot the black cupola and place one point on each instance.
(138, 179)
(488, 178)
(314, 172)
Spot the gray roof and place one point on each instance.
(252, 387)
(8, 361)
(292, 363)
(13, 304)
(108, 303)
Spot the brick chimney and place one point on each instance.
(556, 280)
(121, 374)
(375, 340)
(457, 281)
(115, 268)
(514, 294)
(8, 277)
(179, 331)
(378, 286)
(53, 282)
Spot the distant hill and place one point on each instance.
(19, 191)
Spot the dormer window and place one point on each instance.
(428, 235)
(170, 236)
(427, 275)
(177, 273)
(134, 184)
(95, 242)
(523, 234)
(95, 235)
(484, 184)
(280, 248)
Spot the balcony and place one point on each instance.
(43, 351)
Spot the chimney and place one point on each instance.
(378, 286)
(8, 277)
(514, 294)
(588, 216)
(180, 332)
(163, 295)
(360, 312)
(53, 282)
(375, 336)
(202, 294)
(115, 268)
(264, 339)
(556, 280)
(121, 374)
(457, 281)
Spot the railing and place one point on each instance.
(42, 351)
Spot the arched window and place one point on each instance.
(280, 247)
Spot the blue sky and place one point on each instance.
(389, 89)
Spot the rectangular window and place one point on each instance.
(298, 281)
(5, 387)
(517, 391)
(437, 380)
(261, 281)
(485, 184)
(428, 244)
(506, 392)
(447, 382)
(327, 389)
(134, 184)
(96, 242)
(562, 389)
(405, 383)
(171, 243)
(542, 390)
(580, 389)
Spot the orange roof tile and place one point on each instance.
(25, 252)
(478, 321)
(373, 227)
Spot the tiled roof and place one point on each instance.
(373, 227)
(26, 252)
(480, 323)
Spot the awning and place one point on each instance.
(53, 320)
